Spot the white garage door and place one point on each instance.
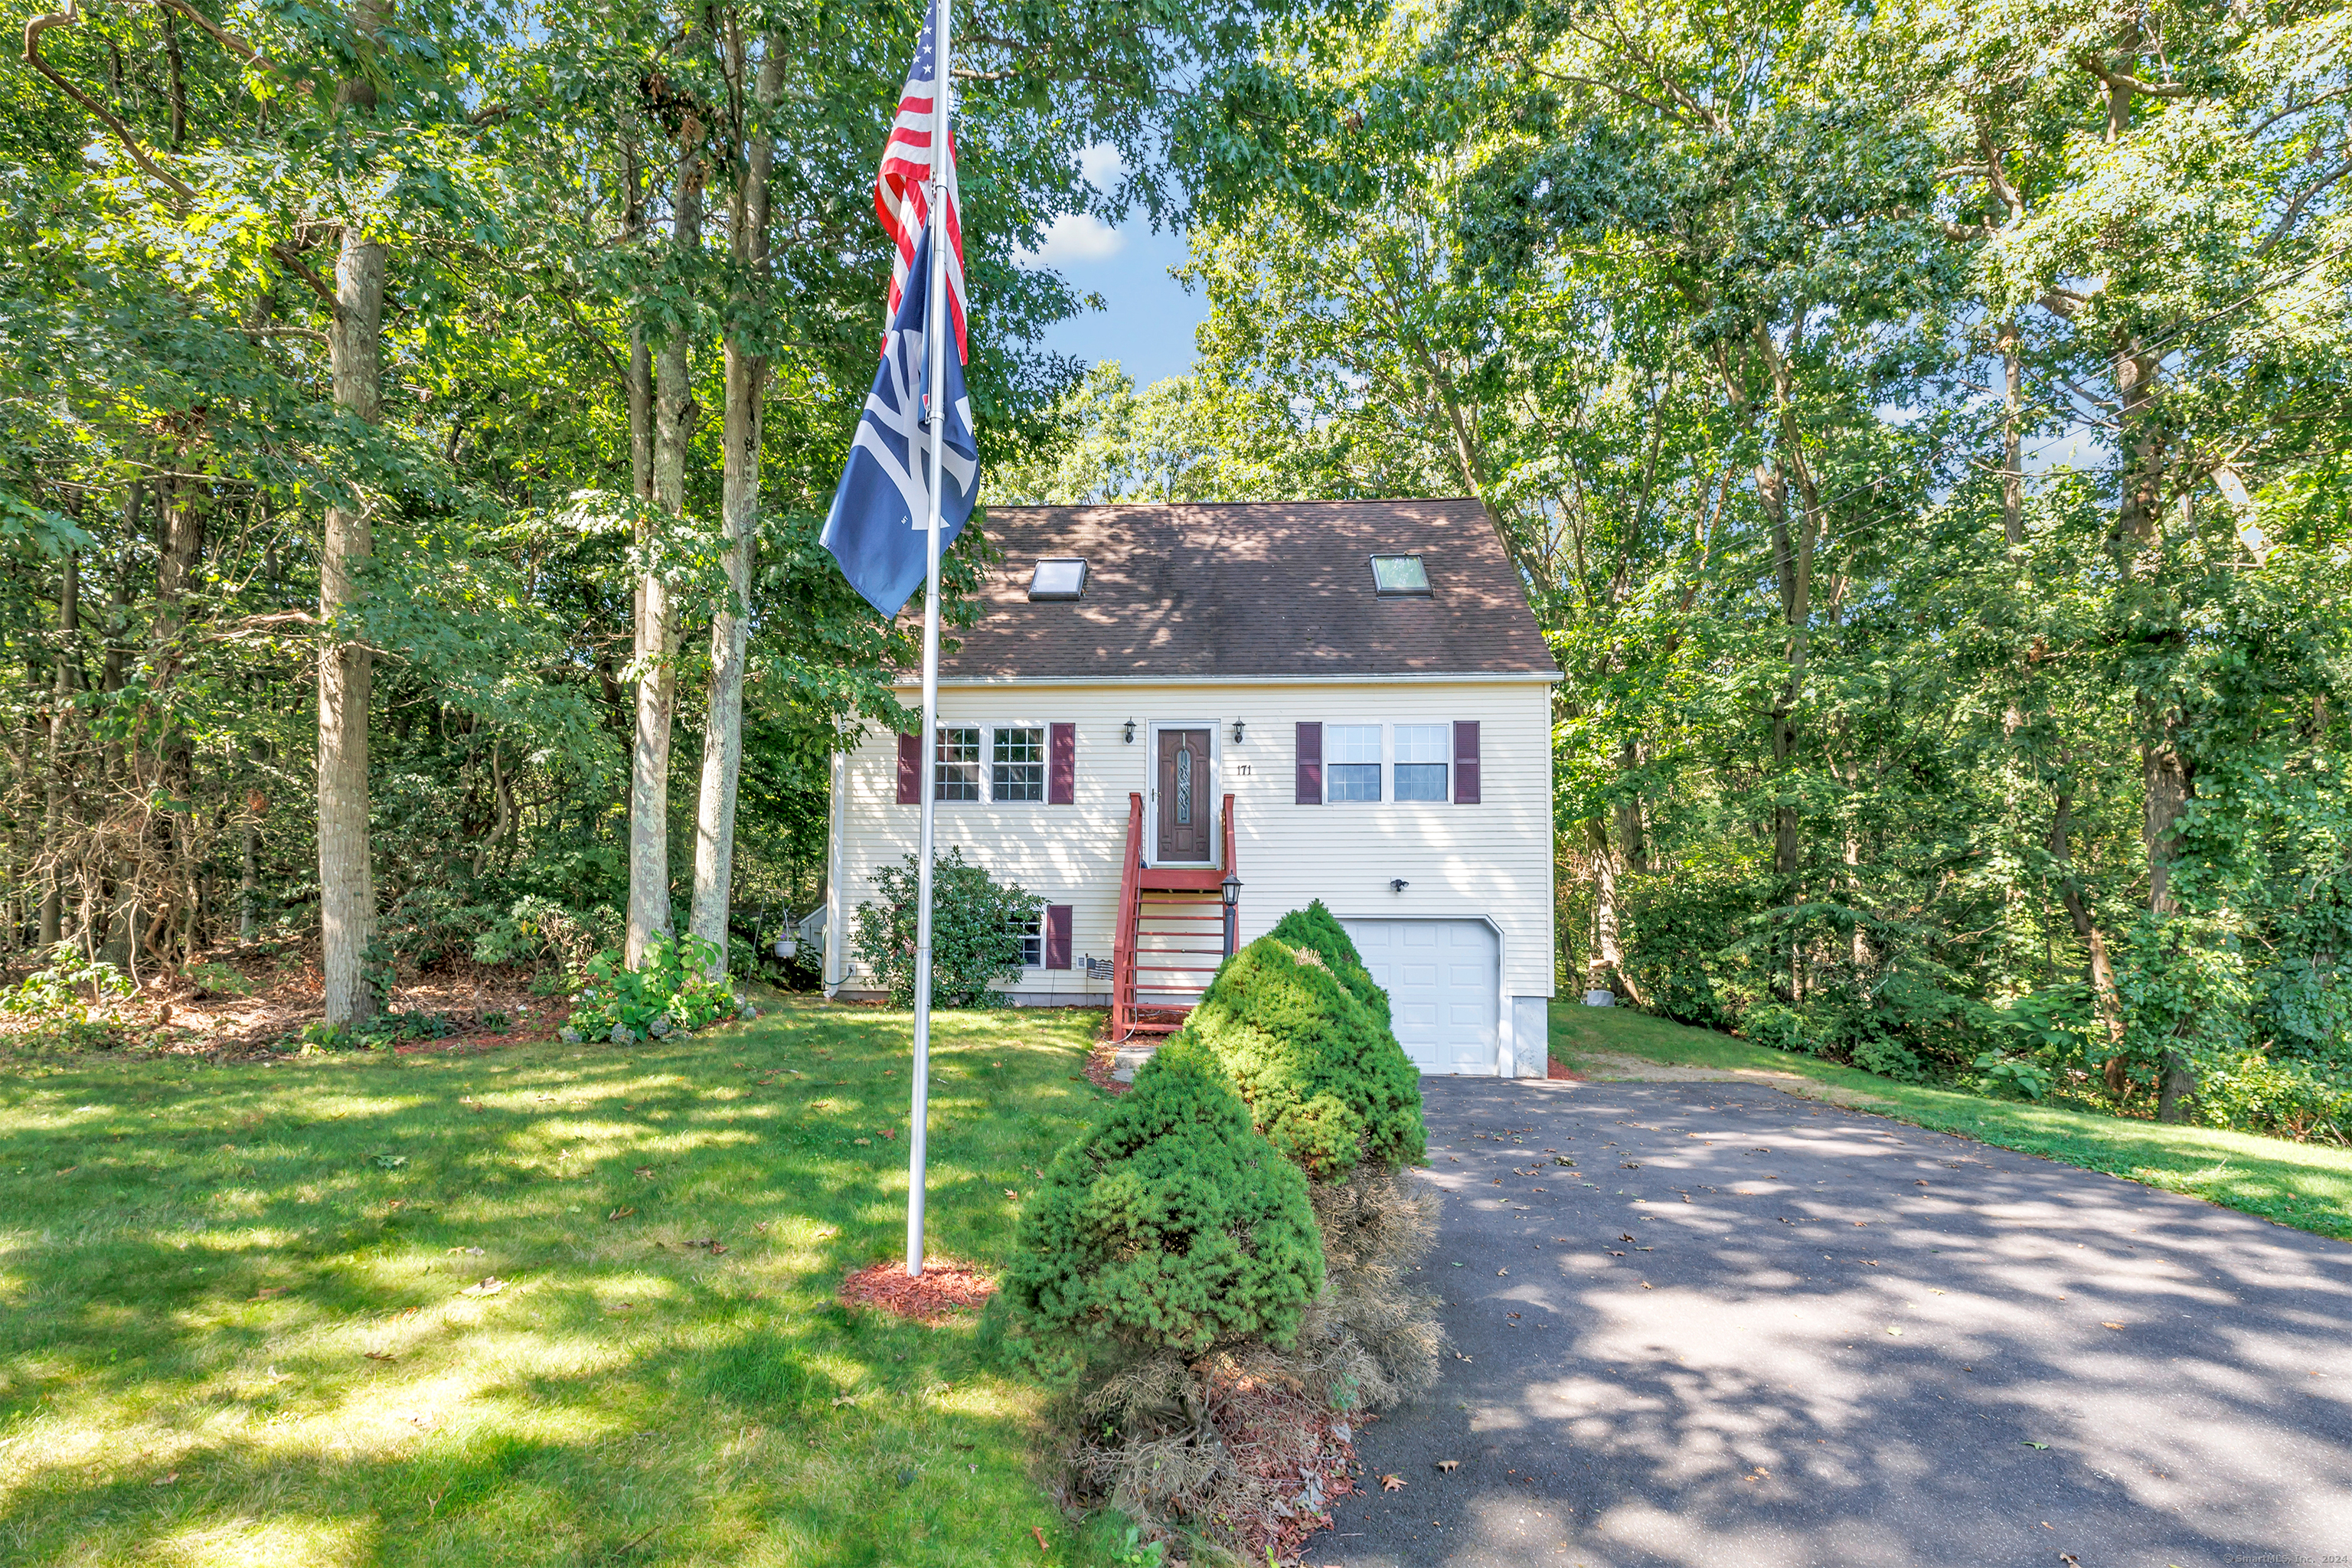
(1445, 984)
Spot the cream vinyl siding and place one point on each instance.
(1491, 861)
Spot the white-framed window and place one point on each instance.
(1351, 762)
(1016, 767)
(956, 767)
(1032, 932)
(1423, 754)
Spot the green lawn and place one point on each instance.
(2304, 1184)
(232, 1327)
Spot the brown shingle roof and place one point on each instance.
(1262, 588)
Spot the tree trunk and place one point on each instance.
(2012, 462)
(346, 878)
(52, 853)
(168, 769)
(2103, 996)
(1632, 841)
(656, 630)
(722, 730)
(1608, 957)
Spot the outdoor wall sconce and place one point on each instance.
(1237, 732)
(1131, 731)
(1398, 884)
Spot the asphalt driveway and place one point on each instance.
(1750, 1329)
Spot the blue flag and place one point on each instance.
(883, 504)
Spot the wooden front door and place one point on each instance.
(1187, 794)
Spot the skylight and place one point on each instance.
(1061, 578)
(1399, 574)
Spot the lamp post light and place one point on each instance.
(1232, 886)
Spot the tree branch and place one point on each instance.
(68, 17)
(2294, 208)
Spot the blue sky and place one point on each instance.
(1148, 318)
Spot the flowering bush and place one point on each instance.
(671, 990)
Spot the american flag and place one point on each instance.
(899, 198)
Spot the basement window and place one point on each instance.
(1396, 576)
(1064, 577)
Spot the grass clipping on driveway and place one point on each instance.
(2308, 1185)
(545, 1304)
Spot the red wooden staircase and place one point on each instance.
(1171, 934)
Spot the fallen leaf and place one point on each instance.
(488, 1286)
(761, 1226)
(1895, 1331)
(1392, 1483)
(379, 1355)
(1647, 1286)
(2111, 1325)
(624, 1212)
(888, 1133)
(2032, 1444)
(647, 1170)
(267, 1292)
(866, 1141)
(1011, 1194)
(841, 1399)
(165, 1481)
(465, 1252)
(1041, 1539)
(1500, 1272)
(1447, 1467)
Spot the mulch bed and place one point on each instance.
(942, 1289)
(1305, 1451)
(1562, 1070)
(1100, 1060)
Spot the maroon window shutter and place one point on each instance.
(910, 770)
(1465, 761)
(1062, 773)
(1057, 936)
(1311, 765)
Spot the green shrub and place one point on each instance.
(1774, 1026)
(672, 989)
(2286, 1099)
(975, 931)
(1323, 1079)
(213, 978)
(1316, 926)
(69, 991)
(1173, 1226)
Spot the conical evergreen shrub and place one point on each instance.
(1322, 1076)
(1173, 1226)
(1316, 926)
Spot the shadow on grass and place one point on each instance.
(243, 1310)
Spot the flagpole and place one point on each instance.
(938, 322)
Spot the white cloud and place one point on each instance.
(1075, 237)
(1099, 164)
